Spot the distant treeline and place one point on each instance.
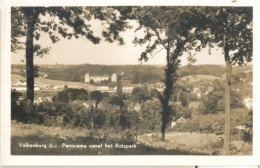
(133, 73)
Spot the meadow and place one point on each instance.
(82, 141)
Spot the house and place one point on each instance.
(180, 120)
(195, 90)
(135, 106)
(86, 105)
(19, 88)
(113, 77)
(23, 88)
(178, 104)
(248, 103)
(38, 100)
(173, 103)
(128, 88)
(21, 83)
(195, 105)
(98, 79)
(102, 88)
(202, 90)
(160, 89)
(240, 127)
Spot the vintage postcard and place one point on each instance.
(138, 83)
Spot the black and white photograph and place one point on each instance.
(131, 80)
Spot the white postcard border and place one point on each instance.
(162, 160)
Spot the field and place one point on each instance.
(58, 83)
(56, 139)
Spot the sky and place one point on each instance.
(82, 51)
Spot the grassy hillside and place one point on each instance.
(59, 83)
(42, 135)
(196, 78)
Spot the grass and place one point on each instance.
(31, 133)
(176, 143)
(193, 142)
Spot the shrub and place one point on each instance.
(16, 112)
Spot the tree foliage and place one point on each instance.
(174, 30)
(57, 22)
(96, 95)
(140, 95)
(231, 29)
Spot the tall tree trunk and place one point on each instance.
(170, 79)
(31, 19)
(227, 97)
(167, 91)
(29, 62)
(165, 101)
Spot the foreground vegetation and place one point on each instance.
(76, 116)
(177, 143)
(31, 133)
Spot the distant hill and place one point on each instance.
(214, 70)
(133, 73)
(238, 70)
(196, 78)
(244, 69)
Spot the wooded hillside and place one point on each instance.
(134, 73)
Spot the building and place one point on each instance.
(113, 77)
(202, 90)
(248, 103)
(98, 79)
(180, 120)
(102, 88)
(195, 105)
(21, 88)
(137, 107)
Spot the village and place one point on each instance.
(195, 91)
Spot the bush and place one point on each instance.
(188, 126)
(210, 123)
(16, 112)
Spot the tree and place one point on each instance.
(118, 101)
(231, 30)
(96, 95)
(119, 86)
(172, 29)
(140, 94)
(58, 22)
(191, 59)
(151, 114)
